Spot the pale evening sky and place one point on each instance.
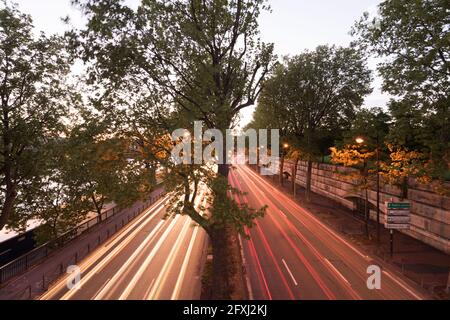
(293, 26)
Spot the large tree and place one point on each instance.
(201, 59)
(413, 40)
(328, 86)
(321, 91)
(33, 103)
(104, 164)
(370, 124)
(270, 113)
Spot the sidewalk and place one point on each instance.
(417, 261)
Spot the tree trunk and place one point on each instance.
(227, 279)
(448, 283)
(10, 193)
(10, 197)
(308, 181)
(404, 189)
(98, 208)
(281, 170)
(257, 161)
(224, 170)
(366, 213)
(221, 286)
(294, 177)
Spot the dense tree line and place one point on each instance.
(70, 145)
(148, 72)
(59, 160)
(318, 106)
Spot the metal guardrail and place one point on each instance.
(26, 261)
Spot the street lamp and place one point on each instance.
(360, 140)
(378, 189)
(286, 145)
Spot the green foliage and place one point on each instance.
(58, 160)
(34, 98)
(104, 164)
(415, 36)
(313, 96)
(405, 164)
(414, 39)
(226, 211)
(167, 65)
(372, 125)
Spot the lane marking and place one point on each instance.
(130, 260)
(174, 252)
(93, 258)
(148, 260)
(101, 288)
(150, 287)
(319, 256)
(244, 261)
(336, 270)
(302, 258)
(402, 285)
(289, 271)
(294, 204)
(180, 279)
(164, 273)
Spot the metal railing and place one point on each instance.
(39, 254)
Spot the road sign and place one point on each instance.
(399, 205)
(398, 213)
(396, 226)
(398, 219)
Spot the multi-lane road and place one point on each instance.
(293, 255)
(290, 254)
(152, 258)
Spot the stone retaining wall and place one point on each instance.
(430, 212)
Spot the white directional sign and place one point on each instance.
(398, 219)
(398, 212)
(397, 226)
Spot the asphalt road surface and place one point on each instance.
(290, 255)
(150, 259)
(293, 255)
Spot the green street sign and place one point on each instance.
(399, 205)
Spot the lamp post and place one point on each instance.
(283, 154)
(378, 189)
(257, 159)
(360, 141)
